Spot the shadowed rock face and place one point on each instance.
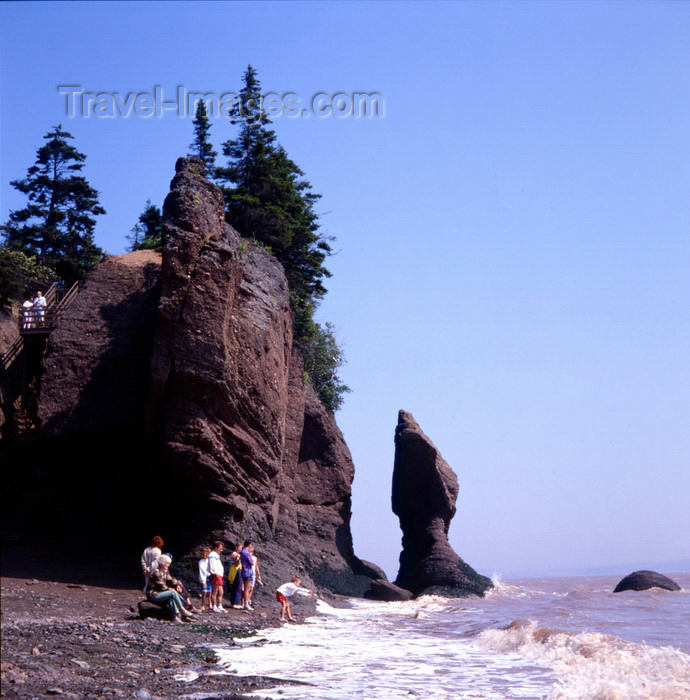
(88, 475)
(425, 489)
(96, 373)
(172, 403)
(643, 580)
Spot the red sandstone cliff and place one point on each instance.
(172, 401)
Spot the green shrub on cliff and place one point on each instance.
(19, 274)
(322, 357)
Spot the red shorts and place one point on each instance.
(280, 597)
(216, 580)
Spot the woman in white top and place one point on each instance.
(215, 568)
(27, 314)
(205, 579)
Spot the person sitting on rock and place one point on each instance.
(166, 591)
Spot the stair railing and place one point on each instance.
(11, 355)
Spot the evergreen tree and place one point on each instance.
(58, 223)
(201, 147)
(269, 201)
(248, 169)
(147, 233)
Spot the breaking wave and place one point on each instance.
(593, 665)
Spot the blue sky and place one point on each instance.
(512, 235)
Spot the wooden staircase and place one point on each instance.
(21, 363)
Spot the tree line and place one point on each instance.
(268, 201)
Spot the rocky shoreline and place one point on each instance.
(63, 636)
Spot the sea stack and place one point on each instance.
(425, 490)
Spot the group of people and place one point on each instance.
(243, 576)
(33, 314)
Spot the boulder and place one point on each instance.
(643, 580)
(149, 609)
(425, 489)
(387, 592)
(96, 373)
(372, 570)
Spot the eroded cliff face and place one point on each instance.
(96, 372)
(172, 401)
(237, 424)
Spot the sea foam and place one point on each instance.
(558, 639)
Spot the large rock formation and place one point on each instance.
(643, 580)
(172, 402)
(238, 425)
(425, 489)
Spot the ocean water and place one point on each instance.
(554, 638)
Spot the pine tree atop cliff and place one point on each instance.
(248, 171)
(201, 146)
(268, 200)
(57, 224)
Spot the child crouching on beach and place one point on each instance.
(286, 591)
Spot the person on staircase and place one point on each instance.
(27, 314)
(40, 309)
